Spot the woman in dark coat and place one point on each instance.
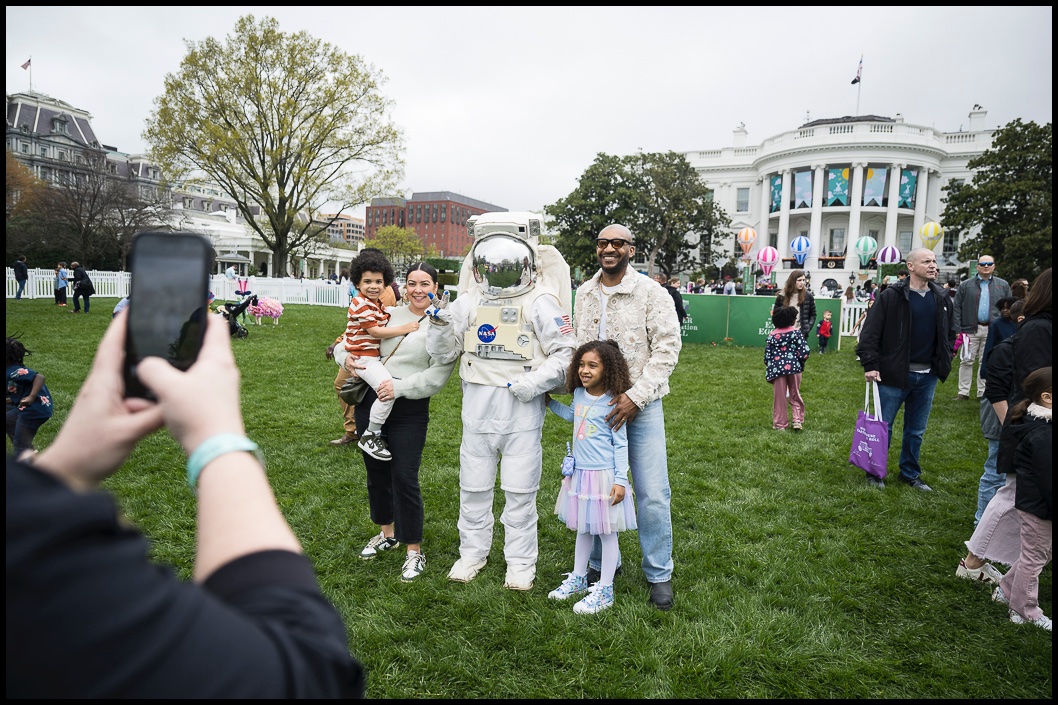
(795, 293)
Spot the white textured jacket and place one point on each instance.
(641, 318)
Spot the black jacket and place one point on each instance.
(885, 345)
(1032, 350)
(1025, 448)
(82, 284)
(807, 313)
(677, 300)
(21, 271)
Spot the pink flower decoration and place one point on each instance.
(266, 307)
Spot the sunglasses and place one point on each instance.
(986, 264)
(616, 243)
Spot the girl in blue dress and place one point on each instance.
(593, 499)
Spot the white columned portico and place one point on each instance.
(895, 176)
(815, 228)
(782, 243)
(765, 206)
(855, 205)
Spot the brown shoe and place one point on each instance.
(346, 439)
(962, 397)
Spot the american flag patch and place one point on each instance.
(565, 327)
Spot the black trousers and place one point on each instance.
(77, 303)
(393, 485)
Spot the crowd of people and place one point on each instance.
(255, 600)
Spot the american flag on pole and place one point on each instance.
(565, 326)
(859, 72)
(26, 65)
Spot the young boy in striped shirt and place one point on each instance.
(366, 327)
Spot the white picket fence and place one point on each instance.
(41, 285)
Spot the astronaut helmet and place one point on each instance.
(503, 257)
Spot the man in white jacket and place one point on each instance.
(510, 322)
(618, 303)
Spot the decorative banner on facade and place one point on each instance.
(776, 193)
(874, 187)
(837, 187)
(908, 179)
(802, 189)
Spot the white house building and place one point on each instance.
(837, 180)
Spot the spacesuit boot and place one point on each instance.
(519, 520)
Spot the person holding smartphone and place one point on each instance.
(90, 616)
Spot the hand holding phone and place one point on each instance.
(168, 302)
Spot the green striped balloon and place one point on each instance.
(866, 246)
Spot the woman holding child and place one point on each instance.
(393, 485)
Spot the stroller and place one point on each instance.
(232, 311)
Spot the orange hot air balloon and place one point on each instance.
(746, 237)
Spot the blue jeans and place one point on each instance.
(21, 288)
(990, 480)
(649, 469)
(917, 401)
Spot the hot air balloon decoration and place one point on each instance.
(866, 246)
(746, 237)
(931, 234)
(800, 247)
(889, 255)
(766, 258)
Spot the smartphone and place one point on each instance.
(168, 302)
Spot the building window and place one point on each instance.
(444, 210)
(837, 242)
(189, 203)
(43, 151)
(418, 214)
(903, 241)
(949, 252)
(742, 200)
(25, 149)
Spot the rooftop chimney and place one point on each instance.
(740, 135)
(977, 119)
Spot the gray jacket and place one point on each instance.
(968, 296)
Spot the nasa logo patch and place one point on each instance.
(486, 333)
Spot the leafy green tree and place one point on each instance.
(400, 245)
(1009, 199)
(659, 196)
(284, 123)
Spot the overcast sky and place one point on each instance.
(511, 105)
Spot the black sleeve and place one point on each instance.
(85, 604)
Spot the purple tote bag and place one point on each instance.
(870, 440)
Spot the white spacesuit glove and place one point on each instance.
(521, 390)
(440, 317)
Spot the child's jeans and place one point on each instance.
(21, 430)
(782, 385)
(823, 340)
(1021, 584)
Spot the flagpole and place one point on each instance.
(859, 87)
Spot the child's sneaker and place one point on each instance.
(572, 585)
(1043, 621)
(600, 597)
(998, 596)
(374, 445)
(377, 545)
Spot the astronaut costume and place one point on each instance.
(510, 322)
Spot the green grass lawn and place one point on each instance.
(793, 578)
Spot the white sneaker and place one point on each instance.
(374, 445)
(520, 577)
(413, 567)
(1043, 621)
(465, 570)
(987, 573)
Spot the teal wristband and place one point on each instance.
(214, 447)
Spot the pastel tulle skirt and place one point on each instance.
(584, 504)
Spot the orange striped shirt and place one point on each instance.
(363, 314)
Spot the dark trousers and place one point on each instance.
(77, 303)
(823, 340)
(393, 486)
(60, 295)
(21, 430)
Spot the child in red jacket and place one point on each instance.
(823, 329)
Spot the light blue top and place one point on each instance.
(601, 447)
(984, 306)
